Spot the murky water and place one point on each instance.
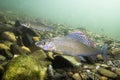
(100, 16)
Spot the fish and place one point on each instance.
(72, 44)
(36, 26)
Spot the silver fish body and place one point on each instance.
(70, 46)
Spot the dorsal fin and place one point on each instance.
(81, 37)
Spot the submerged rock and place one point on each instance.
(8, 36)
(107, 73)
(3, 46)
(35, 38)
(76, 76)
(24, 68)
(66, 61)
(15, 49)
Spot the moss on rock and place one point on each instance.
(24, 68)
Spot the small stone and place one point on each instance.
(118, 71)
(8, 36)
(35, 38)
(2, 58)
(26, 49)
(15, 49)
(107, 73)
(70, 74)
(50, 55)
(115, 51)
(103, 78)
(3, 46)
(99, 57)
(76, 76)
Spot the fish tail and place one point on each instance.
(104, 52)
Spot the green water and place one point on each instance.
(100, 16)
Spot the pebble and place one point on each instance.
(3, 46)
(50, 55)
(107, 73)
(118, 71)
(103, 78)
(35, 38)
(2, 58)
(26, 49)
(76, 76)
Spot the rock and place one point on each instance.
(103, 78)
(50, 72)
(50, 55)
(29, 31)
(4, 27)
(7, 43)
(3, 46)
(2, 58)
(8, 36)
(15, 49)
(24, 68)
(3, 19)
(40, 57)
(66, 61)
(99, 57)
(115, 51)
(118, 71)
(1, 71)
(19, 41)
(39, 54)
(59, 76)
(27, 39)
(26, 49)
(35, 38)
(6, 53)
(107, 73)
(76, 76)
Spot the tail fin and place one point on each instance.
(104, 52)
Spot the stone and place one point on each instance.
(3, 46)
(1, 71)
(26, 49)
(40, 57)
(6, 53)
(24, 68)
(66, 61)
(2, 58)
(27, 39)
(99, 57)
(115, 51)
(7, 43)
(107, 73)
(118, 71)
(76, 76)
(50, 55)
(35, 38)
(103, 78)
(8, 36)
(15, 49)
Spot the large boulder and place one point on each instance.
(24, 68)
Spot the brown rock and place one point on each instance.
(8, 36)
(3, 46)
(76, 76)
(35, 38)
(107, 73)
(103, 78)
(26, 49)
(118, 71)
